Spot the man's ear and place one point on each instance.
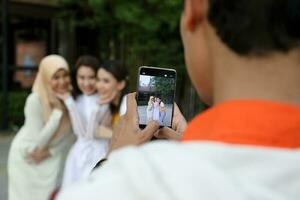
(195, 11)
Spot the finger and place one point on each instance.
(160, 134)
(149, 131)
(168, 133)
(164, 132)
(60, 96)
(157, 134)
(176, 109)
(131, 109)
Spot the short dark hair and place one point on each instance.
(256, 27)
(88, 61)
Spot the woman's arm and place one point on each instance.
(61, 145)
(50, 128)
(76, 120)
(100, 116)
(34, 119)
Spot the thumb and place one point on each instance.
(168, 133)
(149, 131)
(162, 133)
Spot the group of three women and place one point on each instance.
(156, 110)
(55, 109)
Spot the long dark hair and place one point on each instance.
(88, 61)
(119, 71)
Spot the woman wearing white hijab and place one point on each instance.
(38, 151)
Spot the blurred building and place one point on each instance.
(33, 33)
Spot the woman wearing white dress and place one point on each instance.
(38, 151)
(156, 109)
(150, 109)
(86, 151)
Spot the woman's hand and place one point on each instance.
(63, 96)
(179, 125)
(38, 155)
(103, 132)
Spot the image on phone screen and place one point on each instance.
(156, 92)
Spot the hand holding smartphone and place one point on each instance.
(155, 97)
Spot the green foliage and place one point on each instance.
(164, 88)
(137, 32)
(16, 105)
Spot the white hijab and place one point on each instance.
(47, 68)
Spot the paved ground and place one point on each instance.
(4, 148)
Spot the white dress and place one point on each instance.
(29, 181)
(87, 150)
(149, 111)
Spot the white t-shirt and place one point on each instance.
(193, 171)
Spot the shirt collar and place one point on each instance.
(248, 122)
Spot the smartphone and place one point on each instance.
(155, 97)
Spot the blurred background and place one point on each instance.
(138, 32)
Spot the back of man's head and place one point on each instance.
(256, 26)
(243, 49)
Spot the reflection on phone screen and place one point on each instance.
(155, 99)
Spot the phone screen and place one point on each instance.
(156, 93)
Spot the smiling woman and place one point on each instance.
(38, 151)
(112, 82)
(60, 82)
(88, 148)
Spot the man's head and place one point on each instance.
(217, 31)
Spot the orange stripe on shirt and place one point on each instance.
(249, 122)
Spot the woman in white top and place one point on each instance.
(94, 134)
(38, 151)
(89, 147)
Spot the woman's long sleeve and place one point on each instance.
(61, 144)
(76, 120)
(97, 116)
(34, 119)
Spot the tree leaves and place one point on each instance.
(139, 32)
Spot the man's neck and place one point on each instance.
(275, 78)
